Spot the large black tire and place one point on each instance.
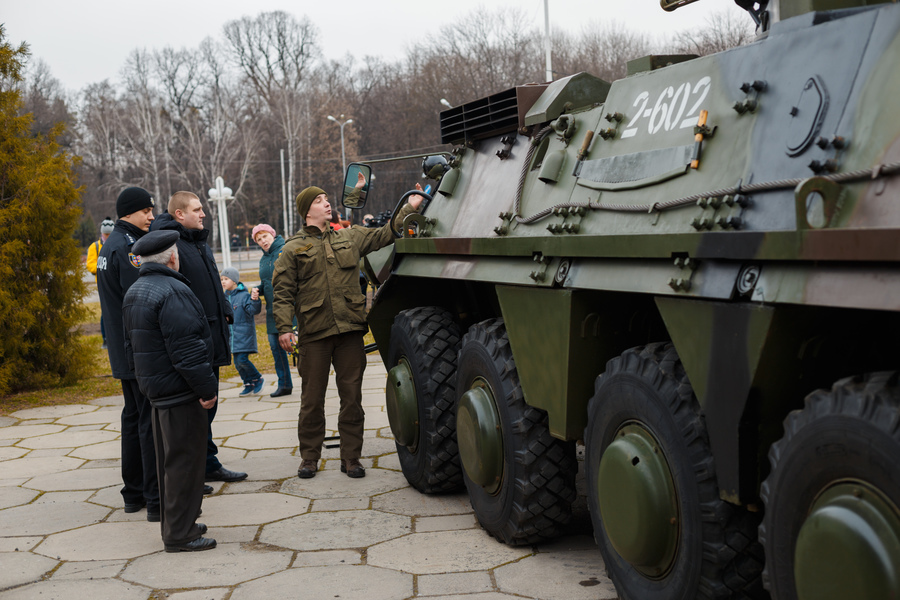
(848, 433)
(716, 553)
(428, 338)
(535, 494)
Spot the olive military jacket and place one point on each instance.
(316, 279)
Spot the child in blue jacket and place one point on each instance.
(243, 334)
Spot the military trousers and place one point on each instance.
(345, 352)
(180, 436)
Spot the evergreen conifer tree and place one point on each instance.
(41, 287)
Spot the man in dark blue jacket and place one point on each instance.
(167, 343)
(185, 216)
(117, 270)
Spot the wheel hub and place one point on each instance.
(637, 501)
(480, 437)
(402, 405)
(849, 545)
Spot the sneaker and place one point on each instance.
(257, 386)
(307, 469)
(248, 389)
(103, 346)
(352, 467)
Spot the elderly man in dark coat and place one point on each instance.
(167, 341)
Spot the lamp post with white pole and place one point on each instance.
(343, 151)
(220, 194)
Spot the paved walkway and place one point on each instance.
(63, 533)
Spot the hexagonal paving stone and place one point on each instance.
(482, 596)
(347, 582)
(11, 452)
(206, 594)
(454, 583)
(16, 496)
(80, 479)
(240, 407)
(444, 552)
(263, 465)
(64, 497)
(69, 439)
(283, 413)
(25, 431)
(226, 429)
(377, 446)
(334, 530)
(376, 419)
(334, 484)
(22, 567)
(104, 541)
(104, 589)
(108, 401)
(105, 450)
(53, 412)
(251, 509)
(109, 496)
(270, 438)
(36, 519)
(575, 575)
(34, 467)
(226, 565)
(93, 569)
(103, 416)
(409, 501)
(19, 544)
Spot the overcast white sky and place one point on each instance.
(87, 41)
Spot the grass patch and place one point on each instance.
(97, 384)
(100, 383)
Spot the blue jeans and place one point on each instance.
(282, 363)
(246, 369)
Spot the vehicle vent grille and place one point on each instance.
(497, 114)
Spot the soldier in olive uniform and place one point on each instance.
(316, 279)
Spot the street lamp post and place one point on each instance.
(343, 151)
(220, 194)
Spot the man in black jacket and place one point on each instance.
(167, 343)
(185, 216)
(117, 270)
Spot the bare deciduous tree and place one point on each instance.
(721, 32)
(274, 51)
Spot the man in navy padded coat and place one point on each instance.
(168, 345)
(185, 215)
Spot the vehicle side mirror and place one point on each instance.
(356, 185)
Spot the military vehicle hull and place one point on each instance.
(694, 271)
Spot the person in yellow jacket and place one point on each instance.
(106, 228)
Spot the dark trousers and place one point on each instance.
(138, 459)
(345, 352)
(180, 453)
(245, 368)
(212, 462)
(282, 364)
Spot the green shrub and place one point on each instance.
(40, 262)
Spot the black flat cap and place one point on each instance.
(155, 242)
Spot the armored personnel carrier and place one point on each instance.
(695, 273)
